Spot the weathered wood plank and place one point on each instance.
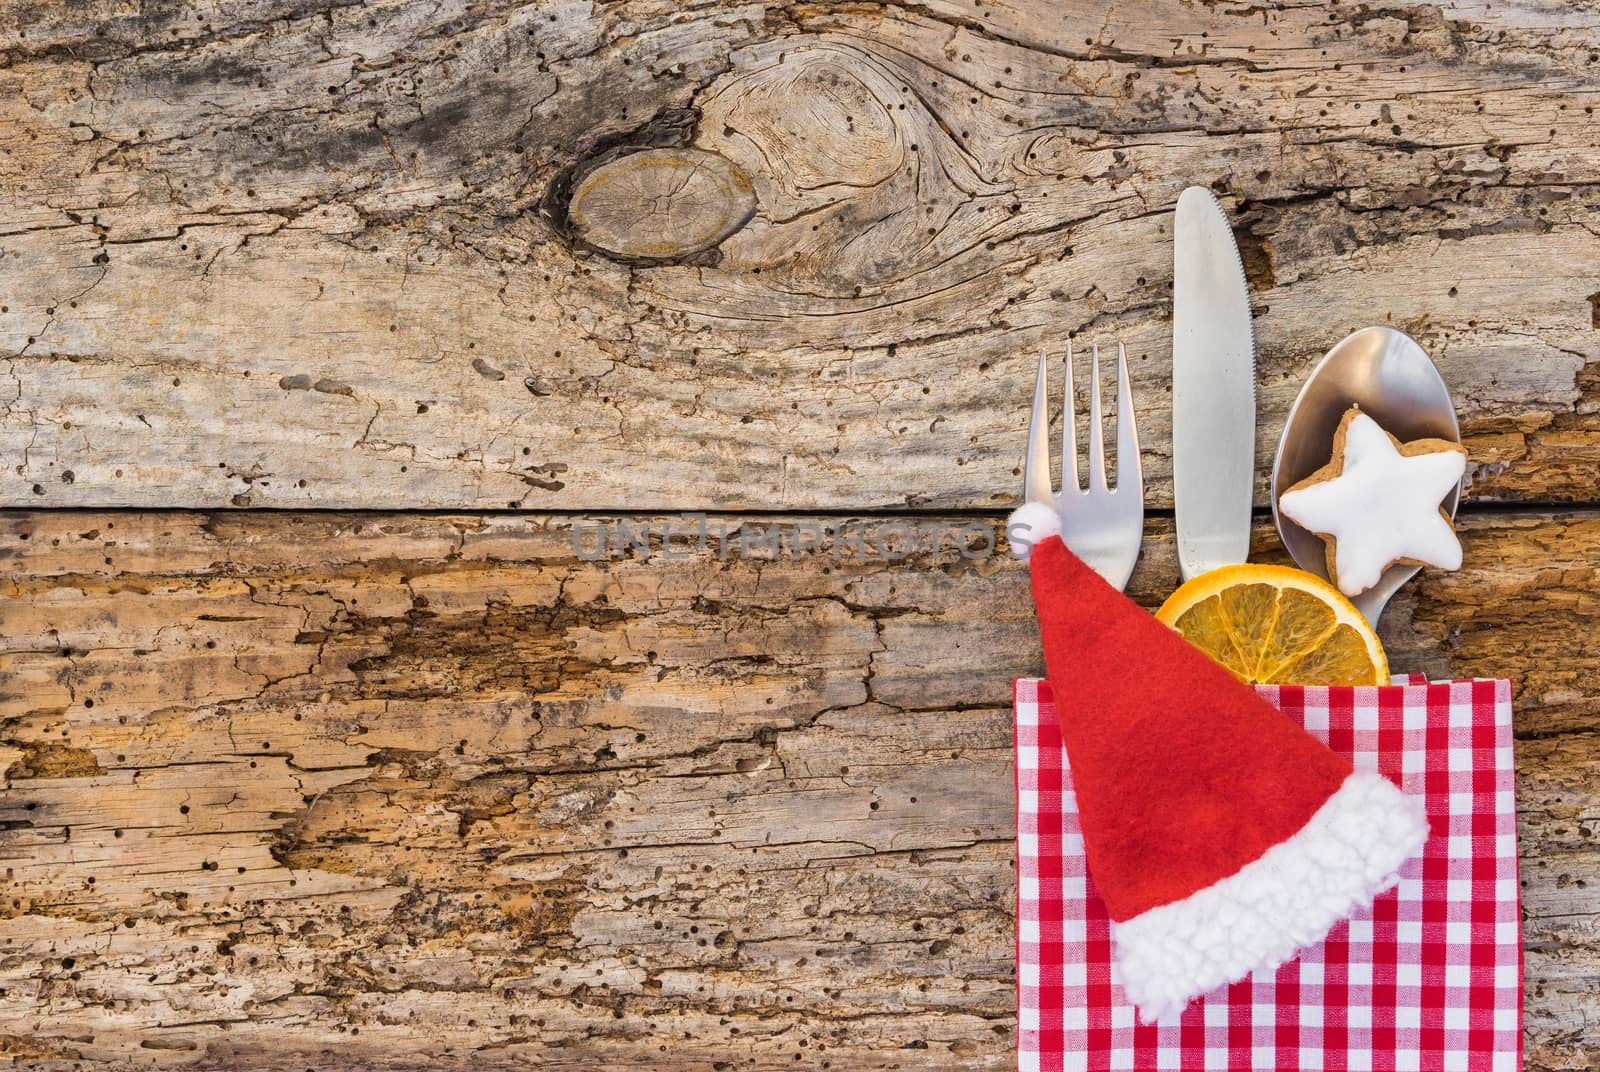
(317, 253)
(436, 790)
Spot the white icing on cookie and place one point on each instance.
(1383, 506)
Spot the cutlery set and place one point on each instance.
(1381, 371)
(1223, 837)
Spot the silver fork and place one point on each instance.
(1102, 525)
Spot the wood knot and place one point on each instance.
(661, 204)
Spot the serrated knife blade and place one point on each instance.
(1213, 388)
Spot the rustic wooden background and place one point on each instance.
(323, 323)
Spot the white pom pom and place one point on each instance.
(1029, 524)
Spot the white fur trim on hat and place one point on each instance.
(1031, 523)
(1289, 898)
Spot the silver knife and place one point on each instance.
(1213, 388)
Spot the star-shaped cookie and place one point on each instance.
(1378, 502)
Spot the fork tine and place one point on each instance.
(1130, 473)
(1036, 467)
(1097, 446)
(1069, 434)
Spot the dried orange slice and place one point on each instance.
(1276, 625)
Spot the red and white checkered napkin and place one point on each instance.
(1429, 978)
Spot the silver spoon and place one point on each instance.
(1391, 378)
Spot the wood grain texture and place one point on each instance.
(313, 252)
(436, 791)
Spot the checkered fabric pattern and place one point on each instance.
(1429, 978)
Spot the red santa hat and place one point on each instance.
(1222, 836)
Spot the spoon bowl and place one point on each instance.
(1393, 380)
